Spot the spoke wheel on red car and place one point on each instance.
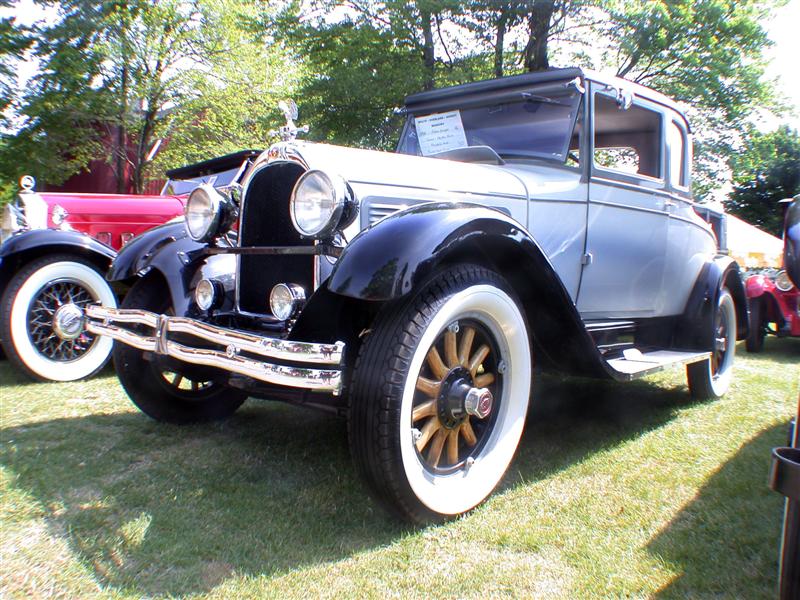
(711, 378)
(169, 393)
(41, 319)
(439, 395)
(758, 327)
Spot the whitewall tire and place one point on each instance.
(711, 378)
(417, 436)
(32, 308)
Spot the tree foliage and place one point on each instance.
(765, 171)
(112, 75)
(206, 75)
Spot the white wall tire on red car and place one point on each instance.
(28, 306)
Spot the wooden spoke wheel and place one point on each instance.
(439, 395)
(455, 396)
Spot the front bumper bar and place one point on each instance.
(323, 373)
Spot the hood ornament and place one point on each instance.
(289, 131)
(27, 183)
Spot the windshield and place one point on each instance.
(529, 126)
(178, 187)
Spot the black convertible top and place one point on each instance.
(492, 85)
(212, 165)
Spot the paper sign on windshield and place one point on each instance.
(440, 132)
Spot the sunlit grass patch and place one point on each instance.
(617, 490)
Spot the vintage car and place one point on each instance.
(55, 251)
(772, 296)
(541, 220)
(784, 476)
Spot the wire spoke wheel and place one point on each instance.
(41, 315)
(41, 318)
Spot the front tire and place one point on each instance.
(757, 331)
(711, 378)
(166, 394)
(28, 311)
(421, 454)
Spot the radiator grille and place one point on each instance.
(265, 221)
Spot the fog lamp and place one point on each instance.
(286, 299)
(207, 294)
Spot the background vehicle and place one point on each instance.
(773, 296)
(56, 249)
(544, 218)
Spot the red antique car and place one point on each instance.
(56, 248)
(772, 296)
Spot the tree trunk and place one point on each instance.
(428, 55)
(499, 45)
(121, 149)
(538, 31)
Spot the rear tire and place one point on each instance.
(164, 395)
(757, 331)
(711, 378)
(420, 463)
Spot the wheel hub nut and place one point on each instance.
(68, 322)
(478, 402)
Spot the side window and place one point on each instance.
(676, 138)
(627, 141)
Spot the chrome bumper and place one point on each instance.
(109, 322)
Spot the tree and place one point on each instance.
(235, 103)
(765, 171)
(110, 74)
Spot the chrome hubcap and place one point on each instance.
(68, 322)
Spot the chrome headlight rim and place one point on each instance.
(218, 206)
(340, 197)
(782, 281)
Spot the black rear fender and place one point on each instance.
(696, 327)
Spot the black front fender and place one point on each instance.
(387, 260)
(25, 246)
(167, 249)
(395, 256)
(35, 239)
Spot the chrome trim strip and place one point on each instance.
(326, 380)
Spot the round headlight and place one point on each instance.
(204, 213)
(317, 203)
(207, 294)
(782, 282)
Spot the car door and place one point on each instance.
(627, 213)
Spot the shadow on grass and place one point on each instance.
(160, 510)
(725, 543)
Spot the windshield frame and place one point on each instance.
(520, 96)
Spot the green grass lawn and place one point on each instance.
(617, 490)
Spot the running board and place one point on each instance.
(634, 363)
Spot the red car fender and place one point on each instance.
(757, 285)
